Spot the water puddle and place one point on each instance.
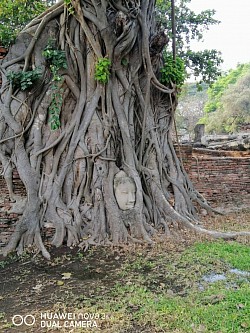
(215, 277)
(211, 278)
(239, 272)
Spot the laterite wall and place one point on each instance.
(222, 177)
(7, 220)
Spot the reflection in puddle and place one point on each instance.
(215, 277)
(239, 272)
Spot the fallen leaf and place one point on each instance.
(129, 283)
(66, 276)
(60, 283)
(240, 306)
(98, 270)
(170, 292)
(38, 287)
(201, 329)
(213, 299)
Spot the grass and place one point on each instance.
(160, 289)
(10, 259)
(169, 297)
(211, 311)
(235, 254)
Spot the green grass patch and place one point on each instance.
(162, 292)
(211, 311)
(214, 310)
(235, 254)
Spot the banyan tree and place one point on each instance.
(87, 123)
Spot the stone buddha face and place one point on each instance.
(125, 191)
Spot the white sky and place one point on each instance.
(232, 35)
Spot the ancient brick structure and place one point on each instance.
(8, 220)
(222, 177)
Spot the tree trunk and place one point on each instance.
(109, 173)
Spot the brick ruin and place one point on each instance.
(222, 177)
(7, 219)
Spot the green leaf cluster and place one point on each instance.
(102, 70)
(24, 80)
(55, 109)
(56, 60)
(190, 26)
(173, 71)
(69, 6)
(217, 89)
(204, 64)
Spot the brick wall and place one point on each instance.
(8, 221)
(222, 179)
(221, 176)
(185, 152)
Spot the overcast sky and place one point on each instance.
(231, 36)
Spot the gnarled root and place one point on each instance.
(118, 121)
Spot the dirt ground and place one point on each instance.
(31, 285)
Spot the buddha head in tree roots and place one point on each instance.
(125, 190)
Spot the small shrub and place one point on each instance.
(24, 80)
(56, 60)
(173, 71)
(102, 70)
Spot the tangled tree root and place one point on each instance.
(121, 122)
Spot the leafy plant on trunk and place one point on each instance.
(24, 80)
(102, 70)
(56, 60)
(173, 71)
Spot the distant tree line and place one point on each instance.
(228, 105)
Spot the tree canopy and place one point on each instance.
(191, 26)
(14, 15)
